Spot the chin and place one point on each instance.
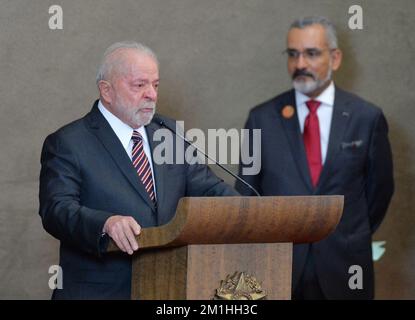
(305, 87)
(145, 120)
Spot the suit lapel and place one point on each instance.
(292, 131)
(103, 131)
(340, 120)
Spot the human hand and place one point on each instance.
(123, 230)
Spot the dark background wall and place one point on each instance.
(218, 59)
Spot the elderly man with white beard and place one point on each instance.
(98, 181)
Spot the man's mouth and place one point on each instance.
(302, 75)
(146, 110)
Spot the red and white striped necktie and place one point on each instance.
(141, 164)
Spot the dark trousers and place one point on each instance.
(308, 287)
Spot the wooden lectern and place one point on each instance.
(212, 238)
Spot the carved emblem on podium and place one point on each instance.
(240, 286)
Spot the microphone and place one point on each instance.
(162, 123)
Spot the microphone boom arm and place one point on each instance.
(162, 123)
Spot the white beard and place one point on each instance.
(311, 85)
(133, 116)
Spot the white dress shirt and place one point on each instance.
(124, 133)
(324, 114)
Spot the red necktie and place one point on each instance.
(311, 139)
(141, 164)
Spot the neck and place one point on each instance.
(318, 91)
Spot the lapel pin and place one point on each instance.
(345, 114)
(288, 112)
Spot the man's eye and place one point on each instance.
(292, 53)
(313, 53)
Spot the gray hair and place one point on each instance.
(331, 34)
(107, 64)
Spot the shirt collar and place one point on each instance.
(123, 131)
(326, 97)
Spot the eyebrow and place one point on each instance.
(144, 80)
(310, 48)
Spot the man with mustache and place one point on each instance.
(318, 139)
(98, 180)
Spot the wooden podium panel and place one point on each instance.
(160, 274)
(194, 272)
(269, 263)
(211, 238)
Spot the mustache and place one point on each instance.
(147, 104)
(302, 72)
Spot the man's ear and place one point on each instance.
(336, 56)
(105, 91)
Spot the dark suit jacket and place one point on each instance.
(358, 165)
(86, 177)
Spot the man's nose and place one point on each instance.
(151, 93)
(301, 62)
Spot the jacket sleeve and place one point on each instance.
(248, 145)
(379, 181)
(61, 211)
